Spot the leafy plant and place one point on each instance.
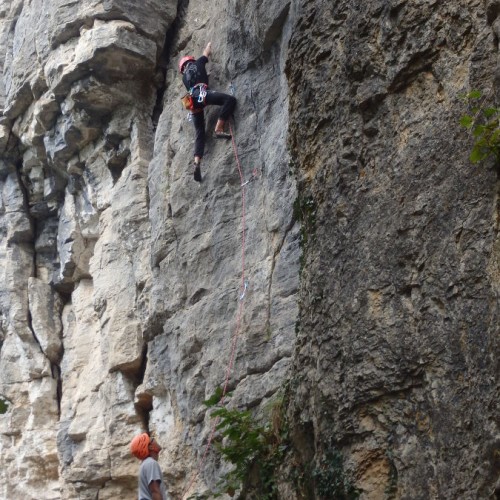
(329, 478)
(305, 211)
(484, 124)
(4, 406)
(255, 450)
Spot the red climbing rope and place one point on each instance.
(241, 301)
(243, 244)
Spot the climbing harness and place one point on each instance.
(189, 99)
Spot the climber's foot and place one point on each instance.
(220, 134)
(197, 172)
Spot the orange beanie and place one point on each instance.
(139, 446)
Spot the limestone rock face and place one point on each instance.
(77, 94)
(128, 290)
(342, 247)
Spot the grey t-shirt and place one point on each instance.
(150, 471)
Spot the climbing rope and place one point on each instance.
(243, 289)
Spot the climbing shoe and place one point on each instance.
(197, 172)
(222, 135)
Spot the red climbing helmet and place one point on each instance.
(184, 60)
(139, 447)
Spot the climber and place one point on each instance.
(151, 484)
(195, 78)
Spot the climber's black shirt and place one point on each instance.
(202, 76)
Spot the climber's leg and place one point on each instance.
(199, 142)
(228, 103)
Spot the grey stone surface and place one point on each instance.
(369, 275)
(122, 277)
(45, 309)
(76, 139)
(396, 362)
(196, 251)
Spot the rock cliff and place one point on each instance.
(351, 271)
(396, 363)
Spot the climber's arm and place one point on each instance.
(208, 50)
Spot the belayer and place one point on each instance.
(195, 79)
(151, 484)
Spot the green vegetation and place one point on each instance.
(304, 211)
(261, 455)
(323, 478)
(392, 485)
(255, 450)
(484, 124)
(329, 478)
(4, 406)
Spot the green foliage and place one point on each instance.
(391, 489)
(484, 124)
(4, 406)
(323, 478)
(253, 449)
(257, 452)
(329, 478)
(304, 211)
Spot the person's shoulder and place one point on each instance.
(202, 60)
(148, 462)
(150, 466)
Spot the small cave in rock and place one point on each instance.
(143, 401)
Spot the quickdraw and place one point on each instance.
(255, 175)
(245, 287)
(203, 92)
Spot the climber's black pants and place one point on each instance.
(228, 103)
